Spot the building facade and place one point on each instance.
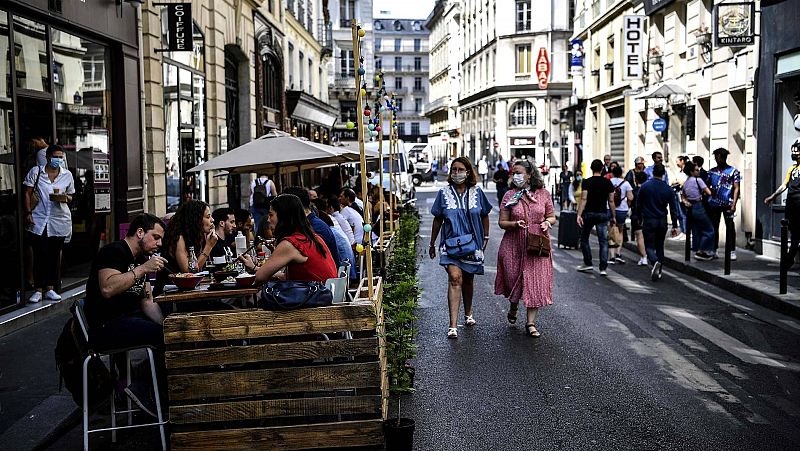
(341, 67)
(401, 51)
(308, 47)
(444, 24)
(73, 79)
(778, 105)
(703, 92)
(503, 110)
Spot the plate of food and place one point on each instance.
(185, 280)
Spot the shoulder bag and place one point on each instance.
(537, 245)
(35, 199)
(294, 294)
(462, 245)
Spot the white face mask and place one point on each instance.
(518, 180)
(460, 177)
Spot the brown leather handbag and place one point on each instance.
(538, 245)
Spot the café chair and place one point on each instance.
(338, 287)
(81, 318)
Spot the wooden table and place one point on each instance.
(202, 293)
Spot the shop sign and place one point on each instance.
(542, 68)
(735, 24)
(529, 141)
(179, 27)
(632, 47)
(651, 6)
(345, 134)
(444, 136)
(102, 183)
(576, 62)
(85, 110)
(659, 125)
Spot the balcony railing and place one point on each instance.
(385, 48)
(419, 89)
(406, 68)
(398, 91)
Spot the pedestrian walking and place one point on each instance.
(565, 178)
(597, 198)
(658, 158)
(655, 197)
(699, 161)
(610, 174)
(692, 194)
(623, 197)
(630, 177)
(677, 186)
(606, 165)
(48, 192)
(483, 171)
(575, 189)
(262, 189)
(522, 275)
(723, 180)
(640, 178)
(501, 163)
(461, 214)
(500, 178)
(791, 184)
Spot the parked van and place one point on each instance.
(401, 168)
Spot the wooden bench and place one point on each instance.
(271, 380)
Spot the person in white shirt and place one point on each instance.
(623, 196)
(483, 171)
(353, 218)
(334, 211)
(48, 191)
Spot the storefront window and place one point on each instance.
(185, 123)
(30, 55)
(9, 232)
(83, 120)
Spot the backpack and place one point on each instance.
(618, 194)
(260, 195)
(71, 350)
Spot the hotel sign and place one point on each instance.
(179, 27)
(734, 24)
(633, 33)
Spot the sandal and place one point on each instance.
(452, 332)
(512, 313)
(531, 331)
(469, 320)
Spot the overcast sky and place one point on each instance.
(402, 9)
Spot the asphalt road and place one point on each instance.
(623, 363)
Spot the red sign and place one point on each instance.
(542, 68)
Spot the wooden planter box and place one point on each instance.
(255, 379)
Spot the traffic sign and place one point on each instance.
(542, 68)
(659, 125)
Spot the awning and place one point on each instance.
(664, 91)
(306, 112)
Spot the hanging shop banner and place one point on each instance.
(576, 62)
(651, 6)
(633, 33)
(179, 27)
(543, 68)
(735, 24)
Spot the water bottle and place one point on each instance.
(192, 260)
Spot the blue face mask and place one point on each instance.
(56, 162)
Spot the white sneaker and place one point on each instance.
(52, 296)
(733, 256)
(679, 237)
(35, 298)
(585, 268)
(642, 261)
(603, 272)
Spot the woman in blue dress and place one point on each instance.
(461, 210)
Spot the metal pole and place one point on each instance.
(784, 256)
(729, 243)
(360, 116)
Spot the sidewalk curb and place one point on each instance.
(778, 303)
(31, 432)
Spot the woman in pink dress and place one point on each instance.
(526, 208)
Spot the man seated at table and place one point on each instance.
(225, 226)
(119, 302)
(320, 228)
(353, 217)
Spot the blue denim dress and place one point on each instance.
(451, 206)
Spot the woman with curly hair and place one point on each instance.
(297, 247)
(191, 226)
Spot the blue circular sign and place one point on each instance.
(659, 125)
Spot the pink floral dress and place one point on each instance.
(520, 276)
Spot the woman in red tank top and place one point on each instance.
(298, 248)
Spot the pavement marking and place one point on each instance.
(663, 325)
(487, 268)
(791, 323)
(733, 370)
(726, 342)
(631, 286)
(559, 268)
(693, 345)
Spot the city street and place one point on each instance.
(622, 363)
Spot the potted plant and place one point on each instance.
(401, 296)
(702, 35)
(655, 55)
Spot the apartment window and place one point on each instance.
(415, 128)
(523, 15)
(398, 82)
(417, 105)
(310, 71)
(378, 42)
(397, 44)
(319, 83)
(347, 110)
(522, 113)
(347, 11)
(269, 6)
(417, 45)
(346, 61)
(398, 63)
(400, 105)
(301, 60)
(401, 128)
(417, 83)
(378, 63)
(291, 66)
(417, 63)
(523, 59)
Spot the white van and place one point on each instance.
(401, 168)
